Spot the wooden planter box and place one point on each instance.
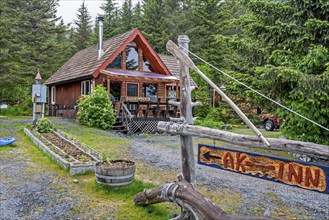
(66, 161)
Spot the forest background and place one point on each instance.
(279, 48)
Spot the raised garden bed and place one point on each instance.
(65, 150)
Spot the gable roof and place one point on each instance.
(85, 63)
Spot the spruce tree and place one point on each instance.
(83, 32)
(126, 16)
(111, 19)
(153, 24)
(28, 42)
(138, 16)
(206, 15)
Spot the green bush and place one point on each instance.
(214, 119)
(44, 125)
(23, 108)
(96, 110)
(209, 123)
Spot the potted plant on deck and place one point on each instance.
(115, 173)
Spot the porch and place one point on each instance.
(141, 114)
(134, 114)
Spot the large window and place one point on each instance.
(116, 63)
(53, 95)
(132, 58)
(86, 87)
(132, 89)
(131, 55)
(150, 90)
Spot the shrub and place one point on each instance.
(209, 123)
(96, 110)
(24, 107)
(213, 119)
(44, 125)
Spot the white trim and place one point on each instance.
(53, 95)
(84, 87)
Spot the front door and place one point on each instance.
(115, 90)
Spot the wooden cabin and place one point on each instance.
(139, 81)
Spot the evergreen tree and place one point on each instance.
(138, 16)
(176, 18)
(206, 16)
(281, 49)
(153, 24)
(126, 16)
(83, 32)
(111, 19)
(28, 42)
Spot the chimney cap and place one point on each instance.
(100, 18)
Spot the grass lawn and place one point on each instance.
(108, 200)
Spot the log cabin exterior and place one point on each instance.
(136, 78)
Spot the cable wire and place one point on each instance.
(255, 91)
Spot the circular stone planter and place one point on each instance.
(117, 173)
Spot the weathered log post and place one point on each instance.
(185, 105)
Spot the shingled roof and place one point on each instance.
(85, 63)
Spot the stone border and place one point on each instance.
(74, 167)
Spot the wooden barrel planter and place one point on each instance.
(117, 173)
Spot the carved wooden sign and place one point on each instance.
(296, 173)
(136, 99)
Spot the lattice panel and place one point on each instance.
(144, 126)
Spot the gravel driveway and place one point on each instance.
(26, 194)
(255, 194)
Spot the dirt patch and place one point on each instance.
(67, 147)
(117, 163)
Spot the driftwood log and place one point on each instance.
(312, 149)
(193, 203)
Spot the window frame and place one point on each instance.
(134, 84)
(84, 87)
(144, 92)
(53, 95)
(141, 59)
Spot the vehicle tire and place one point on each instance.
(269, 125)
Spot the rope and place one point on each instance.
(264, 96)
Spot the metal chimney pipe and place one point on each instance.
(100, 37)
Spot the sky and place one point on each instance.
(68, 8)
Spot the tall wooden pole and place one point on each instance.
(188, 165)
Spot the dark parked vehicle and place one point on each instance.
(270, 122)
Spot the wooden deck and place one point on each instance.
(140, 114)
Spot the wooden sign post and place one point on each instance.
(296, 173)
(188, 165)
